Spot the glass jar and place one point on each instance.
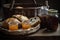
(49, 21)
(26, 25)
(13, 25)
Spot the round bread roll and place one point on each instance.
(20, 17)
(7, 24)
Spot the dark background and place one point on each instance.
(52, 4)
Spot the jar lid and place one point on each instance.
(52, 10)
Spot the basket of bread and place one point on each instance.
(20, 25)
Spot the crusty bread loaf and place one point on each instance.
(7, 21)
(20, 17)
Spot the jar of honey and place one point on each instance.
(49, 22)
(26, 25)
(13, 26)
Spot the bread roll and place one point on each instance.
(20, 17)
(11, 21)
